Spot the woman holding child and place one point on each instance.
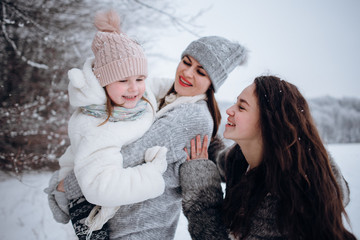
(187, 109)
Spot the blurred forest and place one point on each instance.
(338, 120)
(41, 40)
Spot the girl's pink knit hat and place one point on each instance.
(116, 55)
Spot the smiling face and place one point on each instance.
(127, 92)
(191, 79)
(243, 124)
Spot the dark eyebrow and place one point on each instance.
(243, 101)
(199, 66)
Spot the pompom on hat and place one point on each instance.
(116, 55)
(218, 56)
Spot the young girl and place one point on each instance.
(280, 180)
(113, 109)
(189, 108)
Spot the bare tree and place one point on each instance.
(40, 41)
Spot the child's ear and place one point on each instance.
(76, 78)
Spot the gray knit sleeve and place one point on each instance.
(202, 199)
(72, 187)
(59, 214)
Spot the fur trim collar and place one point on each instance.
(175, 100)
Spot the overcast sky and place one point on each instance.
(314, 44)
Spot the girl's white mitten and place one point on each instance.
(157, 156)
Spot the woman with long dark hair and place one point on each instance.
(280, 181)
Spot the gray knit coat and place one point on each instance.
(157, 218)
(203, 197)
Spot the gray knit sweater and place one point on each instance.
(157, 218)
(203, 197)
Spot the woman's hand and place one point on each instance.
(198, 151)
(60, 186)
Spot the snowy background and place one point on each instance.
(313, 44)
(25, 214)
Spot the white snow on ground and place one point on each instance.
(25, 214)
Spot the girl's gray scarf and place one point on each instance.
(118, 113)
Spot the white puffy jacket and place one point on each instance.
(94, 151)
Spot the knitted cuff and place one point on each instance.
(72, 188)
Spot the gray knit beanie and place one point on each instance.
(218, 56)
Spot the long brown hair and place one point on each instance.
(295, 169)
(211, 103)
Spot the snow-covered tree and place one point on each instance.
(40, 41)
(338, 120)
